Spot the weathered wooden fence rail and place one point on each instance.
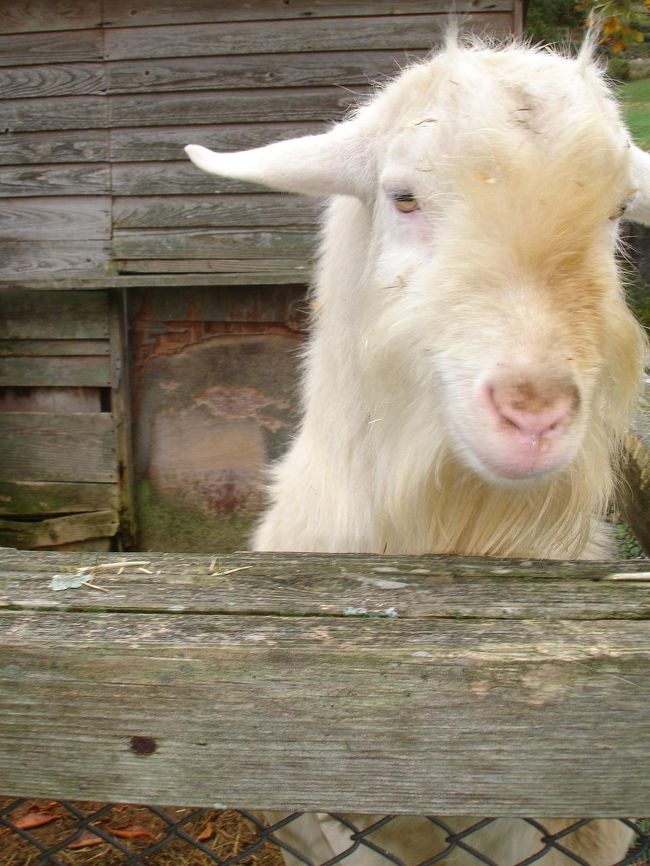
(365, 683)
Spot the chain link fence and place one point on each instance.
(62, 833)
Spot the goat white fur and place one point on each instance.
(473, 366)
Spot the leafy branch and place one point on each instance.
(622, 21)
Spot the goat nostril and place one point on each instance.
(532, 410)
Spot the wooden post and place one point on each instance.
(121, 399)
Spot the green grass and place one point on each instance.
(635, 97)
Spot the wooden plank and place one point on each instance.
(166, 143)
(244, 271)
(63, 218)
(122, 398)
(50, 15)
(255, 106)
(399, 33)
(37, 498)
(341, 702)
(83, 371)
(53, 315)
(27, 259)
(39, 446)
(59, 400)
(270, 209)
(58, 530)
(170, 178)
(519, 18)
(37, 148)
(90, 544)
(55, 113)
(364, 586)
(255, 71)
(76, 79)
(153, 311)
(219, 244)
(55, 180)
(161, 281)
(51, 348)
(122, 13)
(81, 46)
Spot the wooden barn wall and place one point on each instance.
(230, 76)
(98, 99)
(59, 468)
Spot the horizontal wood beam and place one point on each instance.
(155, 12)
(47, 47)
(270, 270)
(347, 683)
(144, 144)
(25, 259)
(242, 244)
(38, 498)
(54, 372)
(28, 315)
(59, 530)
(17, 348)
(43, 446)
(261, 210)
(159, 281)
(48, 16)
(238, 72)
(88, 178)
(38, 148)
(399, 32)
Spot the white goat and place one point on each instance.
(473, 365)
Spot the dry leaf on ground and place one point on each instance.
(86, 840)
(35, 818)
(206, 832)
(131, 831)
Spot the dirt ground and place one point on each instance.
(137, 829)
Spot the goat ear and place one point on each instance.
(335, 162)
(638, 210)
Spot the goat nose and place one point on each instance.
(534, 409)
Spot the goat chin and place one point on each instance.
(473, 367)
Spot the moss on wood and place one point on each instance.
(166, 524)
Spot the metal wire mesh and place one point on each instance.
(61, 833)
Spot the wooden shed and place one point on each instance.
(138, 296)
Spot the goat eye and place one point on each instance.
(405, 202)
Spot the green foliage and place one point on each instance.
(624, 23)
(618, 69)
(626, 544)
(552, 20)
(638, 297)
(635, 98)
(644, 824)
